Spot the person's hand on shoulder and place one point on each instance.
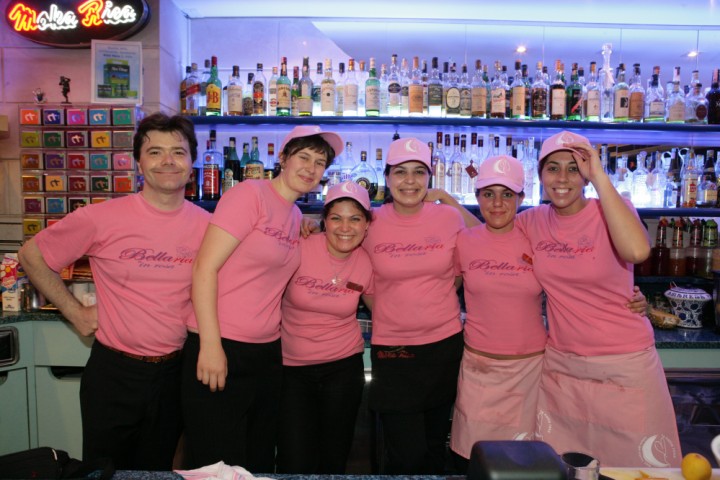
(309, 226)
(438, 195)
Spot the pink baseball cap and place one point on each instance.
(407, 150)
(501, 170)
(332, 138)
(349, 189)
(557, 143)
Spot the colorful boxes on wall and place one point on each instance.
(73, 156)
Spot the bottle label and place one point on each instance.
(350, 99)
(557, 102)
(415, 99)
(656, 109)
(259, 102)
(575, 103)
(539, 102)
(479, 101)
(283, 96)
(211, 180)
(372, 98)
(235, 100)
(701, 112)
(327, 97)
(452, 99)
(497, 101)
(621, 105)
(637, 106)
(191, 187)
(465, 102)
(247, 104)
(439, 175)
(305, 105)
(676, 113)
(517, 104)
(435, 95)
(254, 171)
(394, 91)
(213, 98)
(593, 103)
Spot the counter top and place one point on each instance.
(674, 338)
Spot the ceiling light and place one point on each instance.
(521, 49)
(693, 54)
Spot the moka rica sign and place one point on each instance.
(74, 24)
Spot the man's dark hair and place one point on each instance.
(163, 123)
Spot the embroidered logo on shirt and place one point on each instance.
(150, 258)
(657, 451)
(556, 249)
(283, 238)
(396, 249)
(492, 265)
(322, 285)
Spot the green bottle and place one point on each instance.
(283, 91)
(213, 91)
(254, 168)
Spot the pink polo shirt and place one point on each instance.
(415, 301)
(319, 322)
(253, 278)
(141, 259)
(502, 297)
(586, 282)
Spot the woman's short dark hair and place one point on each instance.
(163, 123)
(313, 142)
(326, 208)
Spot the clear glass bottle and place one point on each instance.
(675, 105)
(539, 95)
(415, 90)
(328, 94)
(592, 96)
(384, 94)
(696, 106)
(424, 77)
(439, 175)
(351, 89)
(235, 92)
(213, 91)
(455, 172)
(707, 186)
(654, 102)
(248, 95)
(478, 93)
(640, 191)
(204, 76)
(558, 98)
(372, 92)
(690, 175)
(305, 103)
(404, 84)
(621, 97)
(435, 91)
(362, 77)
(637, 96)
(497, 94)
(272, 93)
(317, 81)
(380, 173)
(517, 105)
(452, 94)
(295, 93)
(606, 85)
(465, 93)
(283, 91)
(259, 91)
(673, 182)
(212, 163)
(347, 162)
(574, 96)
(394, 89)
(192, 97)
(365, 176)
(340, 90)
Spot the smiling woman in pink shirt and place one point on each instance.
(603, 389)
(232, 361)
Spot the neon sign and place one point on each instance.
(73, 24)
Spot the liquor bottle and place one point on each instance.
(677, 263)
(183, 90)
(235, 92)
(621, 97)
(394, 89)
(606, 85)
(574, 96)
(204, 77)
(248, 96)
(675, 78)
(444, 78)
(362, 77)
(404, 85)
(517, 105)
(708, 248)
(654, 102)
(465, 93)
(694, 80)
(435, 91)
(295, 93)
(213, 91)
(656, 181)
(557, 93)
(696, 106)
(233, 172)
(675, 105)
(415, 90)
(689, 177)
(193, 187)
(365, 176)
(592, 96)
(317, 81)
(340, 91)
(283, 91)
(508, 91)
(372, 92)
(424, 77)
(333, 174)
(254, 168)
(272, 93)
(192, 97)
(671, 198)
(380, 173)
(384, 94)
(707, 186)
(212, 163)
(244, 159)
(328, 95)
(305, 104)
(259, 87)
(539, 95)
(469, 171)
(528, 91)
(456, 170)
(497, 94)
(640, 191)
(637, 96)
(346, 163)
(439, 176)
(350, 91)
(693, 251)
(713, 98)
(660, 253)
(478, 93)
(452, 94)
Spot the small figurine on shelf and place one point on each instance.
(39, 96)
(65, 83)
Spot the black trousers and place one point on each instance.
(239, 424)
(318, 412)
(130, 410)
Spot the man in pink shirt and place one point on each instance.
(141, 249)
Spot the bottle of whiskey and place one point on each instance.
(696, 106)
(254, 168)
(452, 94)
(295, 93)
(435, 91)
(497, 94)
(394, 89)
(192, 97)
(592, 96)
(283, 91)
(415, 90)
(574, 94)
(350, 91)
(372, 92)
(305, 103)
(328, 95)
(183, 90)
(621, 97)
(713, 98)
(675, 105)
(539, 95)
(654, 102)
(707, 188)
(213, 91)
(259, 89)
(557, 94)
(248, 96)
(212, 163)
(637, 96)
(340, 90)
(465, 93)
(272, 93)
(235, 92)
(517, 105)
(478, 93)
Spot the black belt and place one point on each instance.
(146, 358)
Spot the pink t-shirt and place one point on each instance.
(319, 322)
(253, 278)
(141, 259)
(502, 297)
(587, 284)
(415, 302)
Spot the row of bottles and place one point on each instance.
(700, 258)
(414, 90)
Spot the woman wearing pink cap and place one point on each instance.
(232, 359)
(417, 334)
(322, 346)
(603, 390)
(504, 340)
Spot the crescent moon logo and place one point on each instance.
(349, 187)
(648, 448)
(502, 166)
(565, 138)
(410, 146)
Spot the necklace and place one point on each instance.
(339, 273)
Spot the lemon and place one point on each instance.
(695, 467)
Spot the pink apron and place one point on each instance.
(616, 408)
(496, 400)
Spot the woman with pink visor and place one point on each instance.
(602, 390)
